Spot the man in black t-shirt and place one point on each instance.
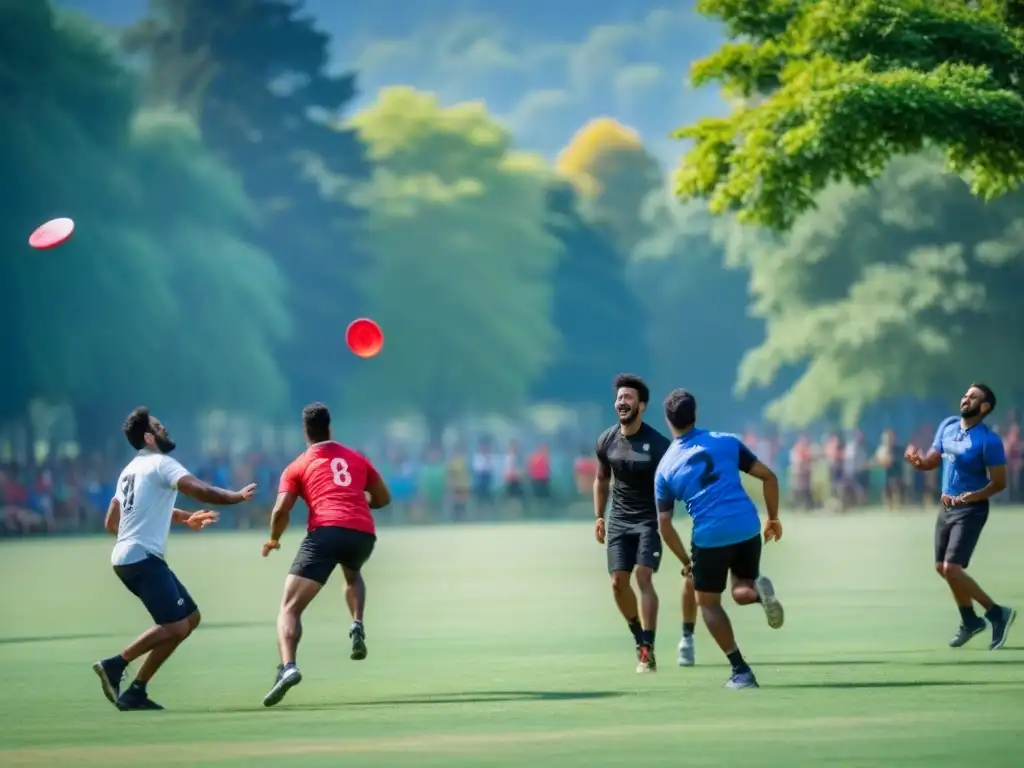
(629, 452)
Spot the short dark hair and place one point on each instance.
(631, 381)
(316, 421)
(681, 409)
(986, 390)
(136, 426)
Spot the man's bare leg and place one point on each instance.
(687, 655)
(298, 594)
(718, 624)
(355, 598)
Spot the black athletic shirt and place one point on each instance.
(632, 461)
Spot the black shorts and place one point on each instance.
(154, 583)
(324, 549)
(957, 533)
(633, 544)
(712, 565)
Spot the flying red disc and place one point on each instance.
(51, 234)
(364, 337)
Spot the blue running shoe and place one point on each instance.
(741, 680)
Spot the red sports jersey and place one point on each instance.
(332, 480)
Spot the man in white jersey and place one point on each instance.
(141, 514)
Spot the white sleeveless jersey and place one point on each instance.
(147, 490)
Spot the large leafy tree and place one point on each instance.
(907, 287)
(833, 89)
(460, 277)
(158, 298)
(254, 75)
(614, 172)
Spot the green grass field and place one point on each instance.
(500, 646)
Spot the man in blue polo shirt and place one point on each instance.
(975, 471)
(702, 469)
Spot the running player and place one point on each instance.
(340, 487)
(141, 514)
(702, 469)
(975, 472)
(630, 452)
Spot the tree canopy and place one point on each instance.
(834, 89)
(462, 258)
(907, 287)
(143, 304)
(614, 173)
(254, 76)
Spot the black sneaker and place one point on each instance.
(358, 636)
(287, 678)
(136, 699)
(966, 633)
(1001, 629)
(110, 674)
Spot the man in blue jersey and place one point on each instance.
(702, 469)
(975, 471)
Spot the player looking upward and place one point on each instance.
(340, 487)
(629, 452)
(140, 514)
(975, 472)
(702, 469)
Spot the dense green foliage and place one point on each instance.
(235, 214)
(837, 88)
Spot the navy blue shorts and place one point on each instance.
(154, 583)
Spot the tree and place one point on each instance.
(837, 88)
(254, 75)
(697, 325)
(614, 173)
(598, 317)
(460, 277)
(143, 304)
(908, 287)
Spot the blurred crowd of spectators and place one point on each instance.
(492, 481)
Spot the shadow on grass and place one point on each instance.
(206, 626)
(823, 663)
(882, 684)
(986, 662)
(474, 697)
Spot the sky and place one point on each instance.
(545, 68)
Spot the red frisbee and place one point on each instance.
(51, 234)
(364, 337)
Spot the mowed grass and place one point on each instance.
(500, 646)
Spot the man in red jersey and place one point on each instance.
(340, 487)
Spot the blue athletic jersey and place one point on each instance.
(967, 455)
(702, 469)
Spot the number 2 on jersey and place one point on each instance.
(708, 474)
(342, 477)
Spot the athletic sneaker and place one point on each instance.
(287, 678)
(741, 680)
(358, 637)
(136, 698)
(1001, 629)
(771, 604)
(645, 660)
(686, 651)
(967, 632)
(110, 674)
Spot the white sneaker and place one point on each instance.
(686, 651)
(771, 604)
